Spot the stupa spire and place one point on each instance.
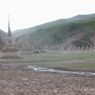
(9, 30)
(9, 50)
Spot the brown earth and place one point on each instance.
(19, 81)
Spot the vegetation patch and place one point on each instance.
(82, 60)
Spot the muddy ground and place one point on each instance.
(18, 80)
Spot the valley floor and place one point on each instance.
(21, 81)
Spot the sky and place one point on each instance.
(29, 13)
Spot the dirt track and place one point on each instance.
(17, 81)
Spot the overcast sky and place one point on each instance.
(28, 13)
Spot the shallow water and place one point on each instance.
(42, 69)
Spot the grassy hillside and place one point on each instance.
(79, 29)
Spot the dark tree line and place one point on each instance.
(85, 42)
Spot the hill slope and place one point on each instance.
(2, 36)
(67, 32)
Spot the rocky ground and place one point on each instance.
(18, 81)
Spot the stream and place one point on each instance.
(42, 69)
